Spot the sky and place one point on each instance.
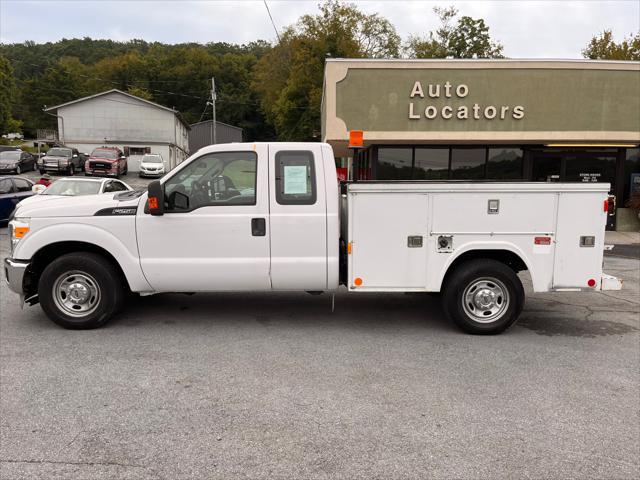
(526, 28)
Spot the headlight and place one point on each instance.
(18, 229)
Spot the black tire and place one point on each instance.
(71, 267)
(18, 170)
(483, 280)
(42, 172)
(72, 170)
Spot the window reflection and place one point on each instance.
(467, 163)
(394, 163)
(431, 164)
(504, 163)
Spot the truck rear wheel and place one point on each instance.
(80, 291)
(483, 297)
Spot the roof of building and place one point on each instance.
(126, 94)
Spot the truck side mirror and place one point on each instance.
(155, 201)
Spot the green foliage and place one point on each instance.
(604, 47)
(289, 78)
(271, 91)
(468, 38)
(7, 91)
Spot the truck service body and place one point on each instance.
(272, 216)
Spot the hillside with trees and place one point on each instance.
(272, 91)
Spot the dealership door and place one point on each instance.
(583, 167)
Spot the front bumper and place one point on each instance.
(159, 174)
(14, 271)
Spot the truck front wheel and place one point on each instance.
(483, 297)
(80, 291)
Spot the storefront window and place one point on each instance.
(631, 174)
(394, 163)
(588, 168)
(468, 163)
(431, 164)
(504, 163)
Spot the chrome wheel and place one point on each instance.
(485, 300)
(76, 293)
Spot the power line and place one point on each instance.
(272, 22)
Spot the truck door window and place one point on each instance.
(226, 178)
(295, 178)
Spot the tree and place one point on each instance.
(469, 38)
(604, 47)
(7, 92)
(289, 77)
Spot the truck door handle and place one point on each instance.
(258, 227)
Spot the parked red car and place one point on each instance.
(108, 161)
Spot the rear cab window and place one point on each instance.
(295, 178)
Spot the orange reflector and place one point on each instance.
(542, 240)
(20, 232)
(356, 139)
(357, 282)
(349, 248)
(153, 202)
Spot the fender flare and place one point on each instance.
(486, 245)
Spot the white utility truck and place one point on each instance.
(272, 216)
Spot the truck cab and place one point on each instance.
(256, 217)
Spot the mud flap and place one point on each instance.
(609, 282)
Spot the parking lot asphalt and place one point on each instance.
(276, 386)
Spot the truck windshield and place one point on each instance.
(110, 154)
(72, 188)
(59, 152)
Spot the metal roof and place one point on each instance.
(115, 90)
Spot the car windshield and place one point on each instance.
(60, 152)
(152, 159)
(10, 155)
(104, 154)
(73, 187)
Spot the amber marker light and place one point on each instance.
(356, 139)
(19, 232)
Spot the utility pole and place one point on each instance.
(213, 103)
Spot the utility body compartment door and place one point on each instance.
(388, 233)
(580, 215)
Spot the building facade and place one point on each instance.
(568, 121)
(119, 119)
(201, 134)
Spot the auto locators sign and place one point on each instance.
(447, 90)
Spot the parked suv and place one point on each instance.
(106, 161)
(62, 160)
(152, 165)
